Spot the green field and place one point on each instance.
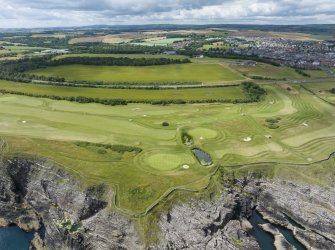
(231, 92)
(318, 73)
(322, 90)
(192, 72)
(267, 70)
(48, 128)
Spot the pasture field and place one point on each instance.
(121, 55)
(319, 73)
(49, 128)
(267, 70)
(231, 92)
(322, 90)
(191, 72)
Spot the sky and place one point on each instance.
(63, 13)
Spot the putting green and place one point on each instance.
(166, 162)
(203, 133)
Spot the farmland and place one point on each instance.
(267, 70)
(322, 90)
(159, 42)
(233, 92)
(167, 73)
(49, 128)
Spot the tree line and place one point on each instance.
(118, 49)
(114, 61)
(253, 94)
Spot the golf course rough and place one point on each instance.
(52, 128)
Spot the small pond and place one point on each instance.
(202, 157)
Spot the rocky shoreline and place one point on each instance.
(35, 193)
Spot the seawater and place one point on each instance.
(14, 238)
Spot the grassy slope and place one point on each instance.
(322, 90)
(232, 92)
(166, 73)
(51, 126)
(267, 70)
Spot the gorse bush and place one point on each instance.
(117, 148)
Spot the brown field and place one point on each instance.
(93, 39)
(128, 36)
(10, 58)
(59, 35)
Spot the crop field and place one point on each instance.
(267, 70)
(4, 51)
(231, 92)
(230, 134)
(192, 72)
(56, 35)
(121, 55)
(160, 42)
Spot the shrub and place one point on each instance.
(272, 126)
(102, 151)
(272, 123)
(165, 124)
(272, 120)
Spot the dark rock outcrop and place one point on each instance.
(36, 192)
(219, 224)
(309, 211)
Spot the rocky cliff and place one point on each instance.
(36, 192)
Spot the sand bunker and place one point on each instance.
(186, 166)
(247, 139)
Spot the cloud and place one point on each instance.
(43, 13)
